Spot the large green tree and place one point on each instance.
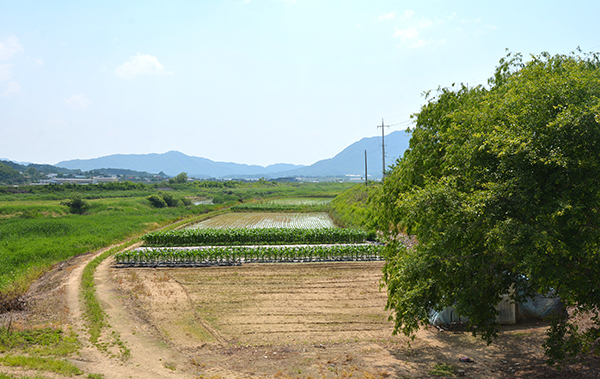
(501, 187)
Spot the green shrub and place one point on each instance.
(169, 199)
(76, 204)
(157, 201)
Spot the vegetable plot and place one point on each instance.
(236, 255)
(263, 236)
(234, 245)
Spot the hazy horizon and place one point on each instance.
(250, 81)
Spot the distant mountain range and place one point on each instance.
(349, 162)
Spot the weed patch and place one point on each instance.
(442, 369)
(58, 366)
(45, 342)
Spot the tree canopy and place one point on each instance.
(501, 187)
(181, 178)
(8, 174)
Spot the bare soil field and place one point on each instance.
(320, 320)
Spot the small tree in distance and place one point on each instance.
(180, 178)
(76, 204)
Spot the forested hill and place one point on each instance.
(173, 163)
(350, 161)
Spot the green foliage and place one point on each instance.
(500, 185)
(40, 347)
(46, 341)
(258, 236)
(442, 369)
(9, 174)
(179, 178)
(10, 376)
(29, 245)
(165, 199)
(277, 207)
(228, 255)
(157, 201)
(169, 199)
(354, 207)
(58, 366)
(76, 204)
(36, 231)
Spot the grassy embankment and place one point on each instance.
(354, 208)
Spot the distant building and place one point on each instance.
(81, 180)
(104, 179)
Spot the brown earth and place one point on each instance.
(320, 320)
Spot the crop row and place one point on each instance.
(243, 236)
(236, 255)
(277, 207)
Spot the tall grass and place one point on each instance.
(354, 207)
(29, 245)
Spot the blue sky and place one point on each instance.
(249, 81)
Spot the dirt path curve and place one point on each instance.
(149, 358)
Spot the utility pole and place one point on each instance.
(366, 181)
(382, 126)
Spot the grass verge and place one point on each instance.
(59, 366)
(93, 313)
(44, 342)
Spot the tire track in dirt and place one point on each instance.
(216, 335)
(149, 357)
(88, 353)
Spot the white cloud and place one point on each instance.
(11, 88)
(387, 16)
(411, 37)
(141, 64)
(5, 71)
(411, 32)
(77, 101)
(407, 14)
(39, 62)
(9, 47)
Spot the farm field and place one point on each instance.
(315, 320)
(302, 201)
(264, 304)
(267, 220)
